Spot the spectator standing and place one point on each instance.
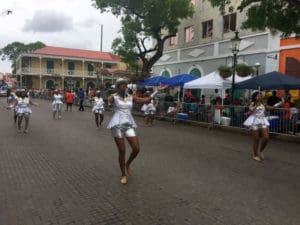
(69, 100)
(273, 99)
(81, 99)
(286, 115)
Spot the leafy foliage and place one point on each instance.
(244, 70)
(277, 15)
(142, 20)
(13, 50)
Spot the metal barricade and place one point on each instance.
(282, 121)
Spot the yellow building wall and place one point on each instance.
(61, 68)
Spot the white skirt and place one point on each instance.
(96, 109)
(21, 111)
(254, 121)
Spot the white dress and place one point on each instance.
(149, 108)
(122, 112)
(98, 105)
(57, 100)
(23, 106)
(257, 118)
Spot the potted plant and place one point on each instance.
(224, 71)
(244, 70)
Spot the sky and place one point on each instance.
(60, 23)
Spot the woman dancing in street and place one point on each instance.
(149, 111)
(123, 126)
(23, 110)
(98, 109)
(57, 104)
(258, 123)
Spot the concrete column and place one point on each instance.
(82, 68)
(40, 72)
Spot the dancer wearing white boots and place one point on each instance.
(57, 104)
(23, 110)
(98, 109)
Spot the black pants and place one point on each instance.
(81, 105)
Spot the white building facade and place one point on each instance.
(203, 43)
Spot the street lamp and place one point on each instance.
(257, 65)
(235, 49)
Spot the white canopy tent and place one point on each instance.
(213, 81)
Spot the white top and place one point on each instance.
(122, 111)
(98, 104)
(57, 99)
(149, 107)
(23, 105)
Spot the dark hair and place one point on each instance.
(287, 98)
(254, 95)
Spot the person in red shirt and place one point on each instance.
(286, 115)
(69, 100)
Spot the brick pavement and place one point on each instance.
(66, 172)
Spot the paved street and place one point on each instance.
(65, 172)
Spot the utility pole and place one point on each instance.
(101, 37)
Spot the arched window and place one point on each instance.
(165, 74)
(50, 84)
(90, 85)
(196, 72)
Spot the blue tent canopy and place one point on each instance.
(153, 81)
(179, 80)
(268, 81)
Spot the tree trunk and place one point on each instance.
(149, 62)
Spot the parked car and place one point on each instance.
(3, 91)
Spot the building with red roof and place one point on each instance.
(64, 68)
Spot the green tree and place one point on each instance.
(13, 50)
(277, 15)
(142, 19)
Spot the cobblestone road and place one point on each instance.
(66, 173)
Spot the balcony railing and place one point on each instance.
(50, 71)
(46, 72)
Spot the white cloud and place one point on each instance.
(48, 21)
(63, 23)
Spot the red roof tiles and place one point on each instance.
(78, 53)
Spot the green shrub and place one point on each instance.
(225, 71)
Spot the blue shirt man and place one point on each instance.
(81, 99)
